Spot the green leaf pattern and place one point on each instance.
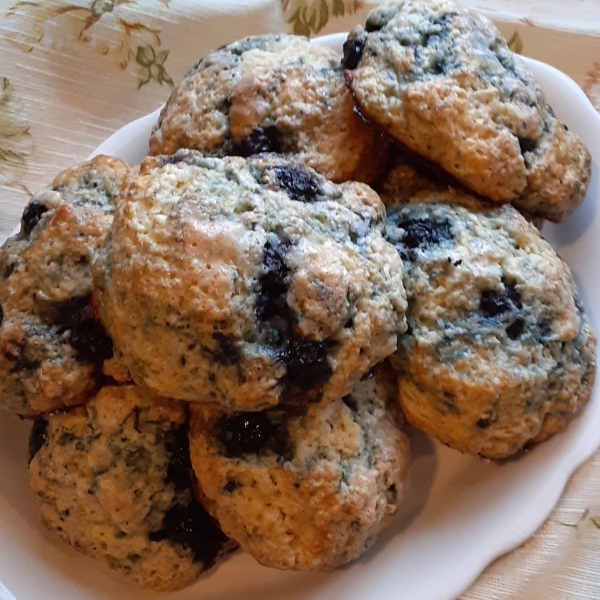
(116, 29)
(151, 63)
(308, 17)
(515, 43)
(15, 139)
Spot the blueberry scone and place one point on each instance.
(272, 93)
(498, 351)
(303, 487)
(113, 478)
(441, 80)
(52, 347)
(249, 282)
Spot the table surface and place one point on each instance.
(74, 71)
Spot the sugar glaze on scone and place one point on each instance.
(52, 347)
(113, 479)
(304, 487)
(442, 81)
(499, 352)
(272, 93)
(249, 282)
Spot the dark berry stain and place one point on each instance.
(493, 303)
(516, 329)
(438, 67)
(438, 28)
(38, 436)
(62, 313)
(16, 355)
(272, 285)
(227, 353)
(9, 269)
(31, 216)
(353, 50)
(298, 182)
(243, 433)
(306, 360)
(192, 527)
(527, 145)
(230, 486)
(259, 140)
(180, 466)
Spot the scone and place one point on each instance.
(441, 80)
(249, 282)
(307, 487)
(498, 351)
(113, 479)
(52, 347)
(272, 93)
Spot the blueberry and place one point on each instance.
(88, 337)
(527, 145)
(493, 303)
(307, 364)
(31, 216)
(299, 183)
(227, 354)
(38, 436)
(353, 50)
(259, 140)
(259, 433)
(373, 25)
(420, 234)
(192, 527)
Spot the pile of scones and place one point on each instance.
(224, 346)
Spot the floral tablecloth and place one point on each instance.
(74, 71)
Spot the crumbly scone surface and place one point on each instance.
(272, 93)
(110, 478)
(51, 345)
(441, 80)
(493, 326)
(249, 282)
(304, 488)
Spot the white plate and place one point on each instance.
(459, 512)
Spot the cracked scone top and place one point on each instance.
(249, 282)
(499, 351)
(304, 487)
(52, 348)
(441, 80)
(113, 478)
(271, 93)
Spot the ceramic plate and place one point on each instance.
(459, 512)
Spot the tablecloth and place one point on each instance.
(74, 71)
